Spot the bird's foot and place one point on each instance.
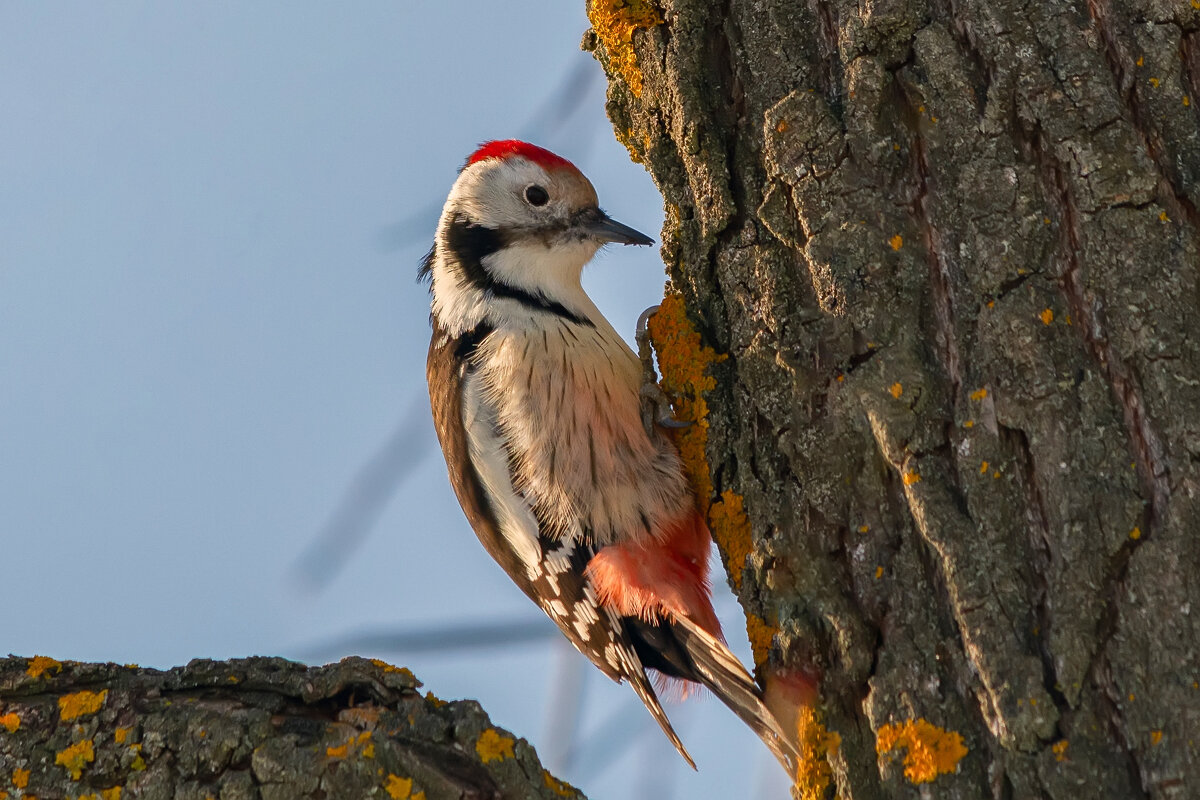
(656, 406)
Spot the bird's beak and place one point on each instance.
(606, 229)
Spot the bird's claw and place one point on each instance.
(656, 409)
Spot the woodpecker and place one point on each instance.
(537, 402)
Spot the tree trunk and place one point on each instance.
(945, 254)
(252, 728)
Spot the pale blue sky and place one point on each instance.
(210, 221)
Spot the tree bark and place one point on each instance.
(252, 728)
(939, 260)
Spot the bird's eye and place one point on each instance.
(536, 195)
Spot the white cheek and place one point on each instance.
(552, 271)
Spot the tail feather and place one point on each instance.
(722, 672)
(641, 685)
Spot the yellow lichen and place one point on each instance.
(398, 788)
(362, 743)
(20, 778)
(1155, 738)
(10, 721)
(614, 22)
(896, 389)
(74, 758)
(71, 706)
(40, 665)
(1162, 217)
(969, 423)
(1047, 316)
(979, 394)
(896, 242)
(436, 701)
(121, 734)
(983, 467)
(761, 634)
(815, 744)
(731, 529)
(1135, 534)
(111, 794)
(684, 361)
(555, 785)
(929, 750)
(493, 747)
(386, 667)
(1060, 750)
(1153, 82)
(910, 477)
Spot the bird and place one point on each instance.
(537, 402)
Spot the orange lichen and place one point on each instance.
(929, 750)
(896, 390)
(1060, 750)
(435, 700)
(910, 477)
(558, 787)
(761, 634)
(896, 242)
(1155, 738)
(781, 126)
(1153, 82)
(969, 423)
(20, 778)
(614, 22)
(1187, 101)
(111, 794)
(74, 758)
(864, 528)
(1047, 316)
(1135, 534)
(40, 665)
(71, 706)
(10, 721)
(1162, 217)
(983, 467)
(815, 744)
(979, 394)
(362, 743)
(684, 361)
(731, 529)
(878, 573)
(398, 788)
(121, 734)
(493, 747)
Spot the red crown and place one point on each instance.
(506, 148)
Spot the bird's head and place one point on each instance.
(518, 227)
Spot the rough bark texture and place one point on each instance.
(255, 728)
(951, 250)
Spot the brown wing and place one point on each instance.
(449, 362)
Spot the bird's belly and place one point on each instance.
(579, 454)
